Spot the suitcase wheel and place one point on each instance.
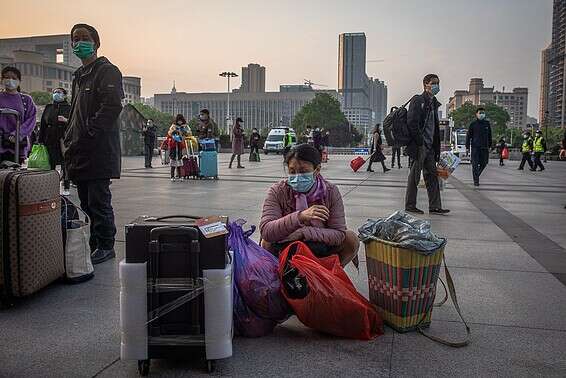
(143, 367)
(210, 366)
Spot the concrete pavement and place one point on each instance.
(511, 287)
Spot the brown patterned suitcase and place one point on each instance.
(31, 245)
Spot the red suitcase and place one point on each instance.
(357, 163)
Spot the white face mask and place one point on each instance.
(11, 84)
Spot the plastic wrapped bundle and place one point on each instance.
(403, 229)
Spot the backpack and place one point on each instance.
(395, 127)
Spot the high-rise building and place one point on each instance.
(553, 105)
(132, 89)
(515, 102)
(544, 83)
(54, 48)
(377, 100)
(253, 79)
(353, 82)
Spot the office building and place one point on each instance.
(515, 102)
(253, 79)
(132, 89)
(553, 73)
(377, 100)
(54, 48)
(260, 110)
(353, 82)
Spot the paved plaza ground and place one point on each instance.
(506, 251)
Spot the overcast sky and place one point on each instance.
(192, 41)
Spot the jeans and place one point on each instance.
(148, 153)
(526, 158)
(396, 151)
(480, 158)
(96, 201)
(426, 162)
(538, 163)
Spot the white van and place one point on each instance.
(459, 145)
(275, 141)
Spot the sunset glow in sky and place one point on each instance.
(192, 41)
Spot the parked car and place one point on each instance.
(275, 141)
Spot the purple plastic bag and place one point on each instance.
(256, 277)
(248, 324)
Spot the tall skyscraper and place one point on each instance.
(377, 100)
(544, 82)
(353, 83)
(253, 79)
(553, 77)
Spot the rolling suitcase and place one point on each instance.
(357, 163)
(190, 164)
(209, 164)
(166, 309)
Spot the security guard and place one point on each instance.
(527, 149)
(539, 147)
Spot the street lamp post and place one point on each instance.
(228, 75)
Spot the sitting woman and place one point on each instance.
(308, 208)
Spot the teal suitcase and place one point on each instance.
(209, 164)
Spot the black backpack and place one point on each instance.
(395, 127)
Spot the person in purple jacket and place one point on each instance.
(308, 208)
(12, 98)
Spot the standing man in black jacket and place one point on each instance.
(424, 148)
(479, 139)
(92, 139)
(149, 133)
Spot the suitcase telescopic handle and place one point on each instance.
(159, 219)
(15, 113)
(157, 232)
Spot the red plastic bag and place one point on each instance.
(357, 163)
(505, 153)
(323, 297)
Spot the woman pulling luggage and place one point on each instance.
(308, 208)
(376, 150)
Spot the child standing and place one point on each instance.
(177, 150)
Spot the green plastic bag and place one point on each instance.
(39, 158)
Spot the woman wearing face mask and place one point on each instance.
(308, 208)
(11, 98)
(376, 150)
(52, 131)
(255, 140)
(237, 143)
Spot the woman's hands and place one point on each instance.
(315, 212)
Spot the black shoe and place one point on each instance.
(240, 166)
(520, 169)
(400, 167)
(370, 170)
(102, 255)
(542, 169)
(386, 170)
(414, 210)
(532, 170)
(476, 184)
(439, 211)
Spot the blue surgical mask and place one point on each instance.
(435, 89)
(58, 97)
(302, 182)
(481, 116)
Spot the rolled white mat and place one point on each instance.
(133, 310)
(218, 312)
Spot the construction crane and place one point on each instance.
(310, 83)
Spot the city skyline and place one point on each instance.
(404, 41)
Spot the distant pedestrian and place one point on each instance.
(237, 143)
(149, 132)
(539, 148)
(255, 141)
(92, 140)
(479, 140)
(526, 150)
(501, 146)
(54, 121)
(207, 128)
(424, 148)
(287, 142)
(377, 150)
(317, 139)
(396, 152)
(12, 98)
(563, 149)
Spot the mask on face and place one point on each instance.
(481, 116)
(302, 182)
(11, 84)
(435, 89)
(83, 49)
(203, 117)
(58, 97)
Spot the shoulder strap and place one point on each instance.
(454, 298)
(407, 103)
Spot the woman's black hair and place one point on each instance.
(12, 69)
(91, 30)
(181, 118)
(376, 129)
(60, 89)
(304, 152)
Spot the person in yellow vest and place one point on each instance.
(527, 149)
(539, 147)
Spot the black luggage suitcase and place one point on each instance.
(176, 253)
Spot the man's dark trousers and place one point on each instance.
(426, 162)
(526, 158)
(480, 158)
(538, 163)
(148, 153)
(96, 201)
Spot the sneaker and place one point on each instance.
(102, 255)
(66, 192)
(414, 210)
(439, 211)
(240, 166)
(173, 179)
(386, 170)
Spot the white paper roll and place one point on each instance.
(133, 311)
(218, 312)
